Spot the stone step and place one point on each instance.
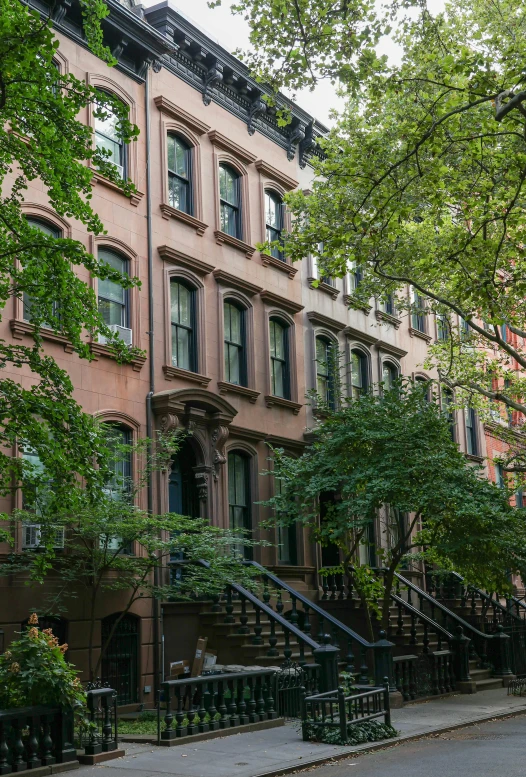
(490, 684)
(480, 675)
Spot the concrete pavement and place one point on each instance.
(281, 750)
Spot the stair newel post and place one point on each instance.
(327, 656)
(460, 644)
(350, 657)
(272, 640)
(229, 607)
(306, 619)
(383, 662)
(243, 618)
(257, 639)
(501, 653)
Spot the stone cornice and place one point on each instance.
(382, 345)
(358, 334)
(227, 279)
(279, 264)
(330, 323)
(281, 302)
(221, 141)
(276, 175)
(177, 257)
(176, 112)
(174, 213)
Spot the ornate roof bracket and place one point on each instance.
(214, 75)
(297, 134)
(61, 10)
(307, 145)
(257, 107)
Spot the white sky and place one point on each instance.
(231, 32)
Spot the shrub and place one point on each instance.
(357, 734)
(34, 671)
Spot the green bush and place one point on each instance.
(357, 734)
(34, 671)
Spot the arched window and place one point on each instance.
(239, 499)
(179, 174)
(279, 359)
(389, 375)
(325, 371)
(230, 201)
(52, 231)
(113, 299)
(109, 139)
(359, 376)
(182, 299)
(274, 222)
(235, 351)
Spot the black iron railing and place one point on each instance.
(341, 711)
(35, 736)
(101, 734)
(217, 702)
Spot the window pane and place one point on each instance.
(277, 344)
(108, 126)
(322, 356)
(278, 382)
(111, 295)
(233, 366)
(178, 156)
(178, 193)
(183, 349)
(112, 312)
(228, 220)
(228, 189)
(235, 324)
(114, 148)
(272, 211)
(181, 303)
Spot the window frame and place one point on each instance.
(126, 305)
(242, 346)
(193, 339)
(248, 515)
(236, 207)
(394, 370)
(364, 372)
(189, 181)
(271, 194)
(285, 361)
(56, 232)
(472, 437)
(329, 398)
(121, 144)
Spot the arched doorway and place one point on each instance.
(120, 663)
(183, 496)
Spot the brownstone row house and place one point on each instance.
(234, 338)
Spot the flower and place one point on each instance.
(33, 619)
(15, 667)
(64, 647)
(33, 633)
(8, 655)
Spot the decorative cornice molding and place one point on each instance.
(332, 291)
(381, 315)
(382, 345)
(279, 264)
(282, 302)
(227, 279)
(221, 141)
(242, 433)
(176, 372)
(169, 254)
(421, 335)
(330, 323)
(176, 112)
(222, 237)
(225, 387)
(134, 198)
(173, 213)
(352, 302)
(276, 175)
(284, 442)
(20, 328)
(98, 349)
(271, 400)
(359, 334)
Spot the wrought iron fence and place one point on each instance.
(426, 674)
(35, 736)
(217, 702)
(292, 681)
(337, 710)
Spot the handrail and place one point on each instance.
(422, 616)
(494, 602)
(212, 677)
(315, 607)
(283, 622)
(435, 603)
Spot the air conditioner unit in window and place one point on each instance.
(31, 536)
(124, 333)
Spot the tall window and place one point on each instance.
(446, 402)
(359, 376)
(464, 328)
(109, 139)
(325, 371)
(442, 327)
(274, 222)
(182, 300)
(279, 358)
(327, 279)
(388, 305)
(235, 361)
(499, 476)
(179, 174)
(36, 497)
(52, 232)
(113, 299)
(355, 277)
(471, 432)
(424, 384)
(119, 485)
(389, 375)
(418, 319)
(230, 201)
(239, 493)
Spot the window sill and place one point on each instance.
(225, 387)
(20, 328)
(325, 287)
(279, 264)
(172, 213)
(472, 457)
(222, 237)
(352, 302)
(99, 349)
(381, 315)
(176, 372)
(134, 198)
(280, 402)
(421, 335)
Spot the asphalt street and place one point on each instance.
(497, 748)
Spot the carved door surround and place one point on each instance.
(207, 417)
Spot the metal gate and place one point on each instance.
(291, 682)
(120, 661)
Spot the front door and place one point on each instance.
(182, 490)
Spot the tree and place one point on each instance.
(423, 179)
(42, 138)
(389, 456)
(100, 542)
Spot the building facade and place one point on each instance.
(234, 337)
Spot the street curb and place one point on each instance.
(371, 748)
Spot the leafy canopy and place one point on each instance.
(42, 138)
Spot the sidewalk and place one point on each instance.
(281, 750)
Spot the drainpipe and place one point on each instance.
(149, 413)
